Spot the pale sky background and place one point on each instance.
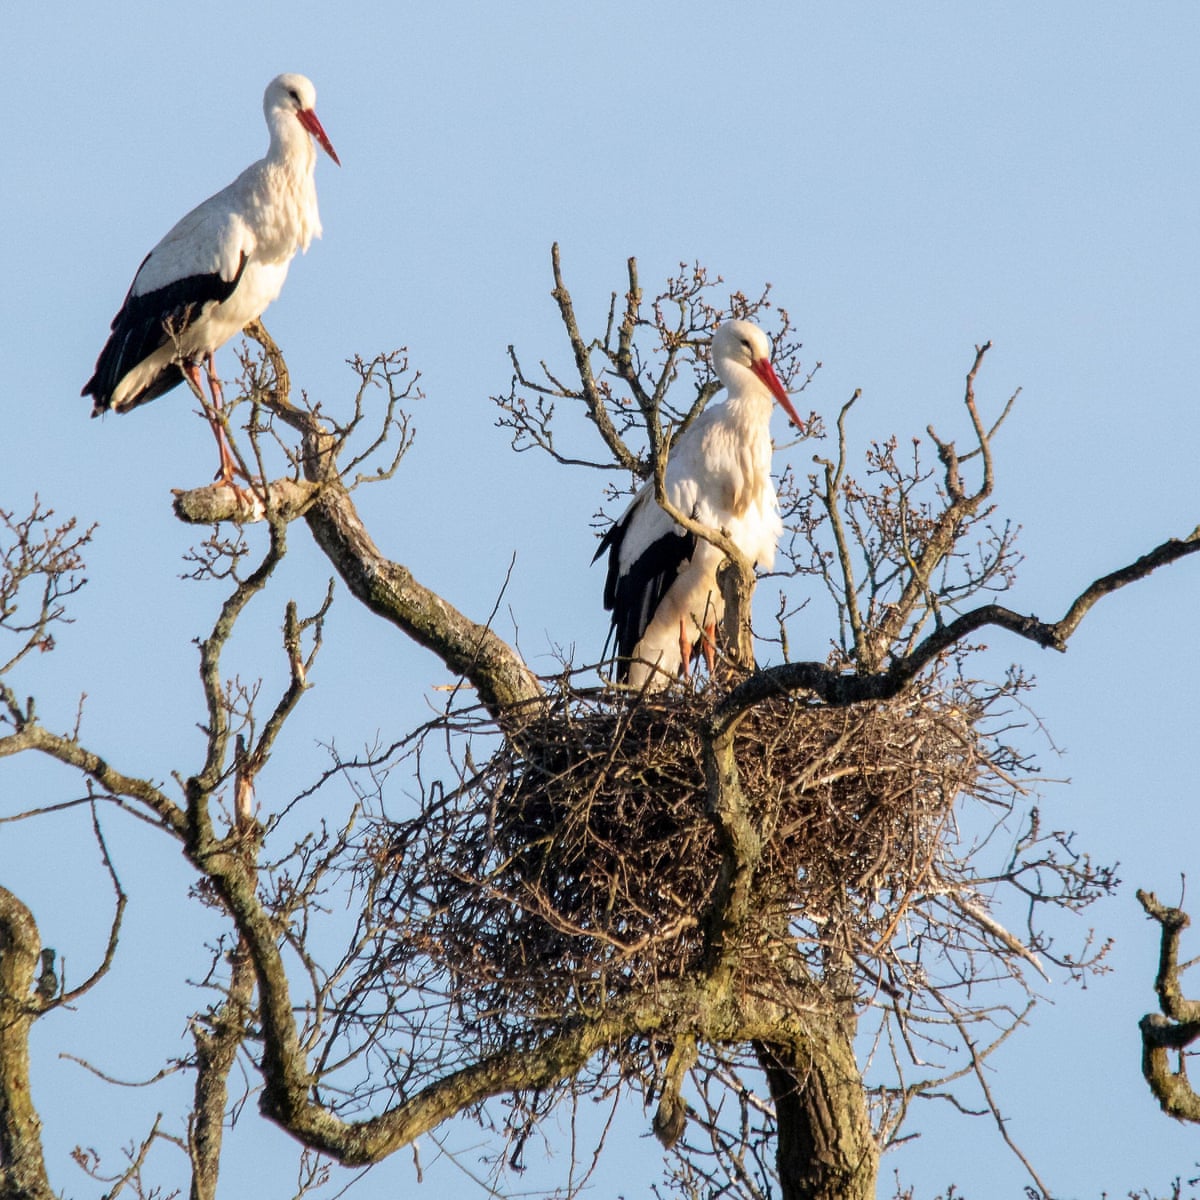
(912, 179)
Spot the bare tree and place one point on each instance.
(720, 899)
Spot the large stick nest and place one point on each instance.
(580, 861)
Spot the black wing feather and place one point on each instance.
(141, 327)
(634, 597)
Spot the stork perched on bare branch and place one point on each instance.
(662, 579)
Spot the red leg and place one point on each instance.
(192, 371)
(229, 464)
(685, 651)
(709, 645)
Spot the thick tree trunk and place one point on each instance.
(825, 1148)
(22, 1166)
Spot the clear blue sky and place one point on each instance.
(912, 179)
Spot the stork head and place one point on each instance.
(740, 347)
(295, 96)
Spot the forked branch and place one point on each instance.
(840, 688)
(1169, 1033)
(385, 587)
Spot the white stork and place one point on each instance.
(218, 268)
(662, 581)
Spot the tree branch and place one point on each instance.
(390, 590)
(33, 736)
(218, 1040)
(1177, 1026)
(387, 588)
(839, 688)
(591, 393)
(1168, 552)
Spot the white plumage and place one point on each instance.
(220, 266)
(662, 581)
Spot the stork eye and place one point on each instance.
(295, 95)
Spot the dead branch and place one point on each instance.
(44, 559)
(387, 588)
(592, 396)
(218, 1039)
(838, 687)
(216, 502)
(1177, 1026)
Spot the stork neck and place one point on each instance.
(291, 147)
(751, 404)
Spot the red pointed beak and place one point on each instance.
(763, 369)
(309, 120)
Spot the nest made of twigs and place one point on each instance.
(584, 855)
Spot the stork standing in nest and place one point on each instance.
(218, 268)
(662, 586)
